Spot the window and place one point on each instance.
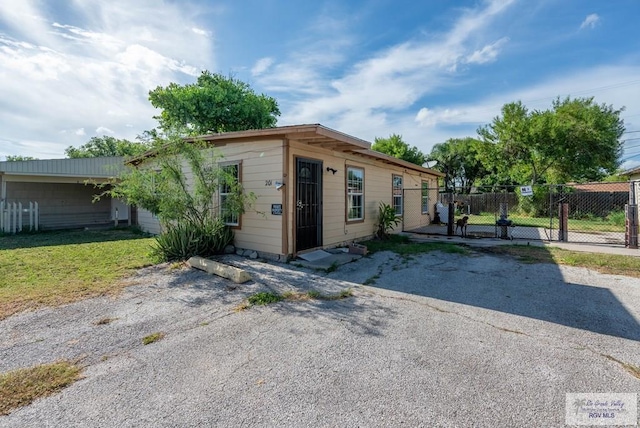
(228, 182)
(355, 194)
(425, 197)
(397, 194)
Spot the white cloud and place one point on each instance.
(201, 32)
(488, 53)
(261, 66)
(104, 130)
(590, 21)
(392, 79)
(80, 131)
(65, 75)
(607, 84)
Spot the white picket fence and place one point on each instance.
(11, 216)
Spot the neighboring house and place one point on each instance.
(315, 187)
(601, 186)
(633, 173)
(60, 188)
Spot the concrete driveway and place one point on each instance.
(438, 340)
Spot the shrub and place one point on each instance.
(387, 220)
(617, 218)
(536, 205)
(183, 240)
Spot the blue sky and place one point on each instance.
(430, 70)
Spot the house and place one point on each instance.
(633, 174)
(315, 187)
(60, 188)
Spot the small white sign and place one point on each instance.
(526, 191)
(601, 409)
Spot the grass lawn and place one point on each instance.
(402, 245)
(54, 268)
(595, 225)
(21, 387)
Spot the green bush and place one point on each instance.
(536, 205)
(387, 220)
(617, 218)
(187, 239)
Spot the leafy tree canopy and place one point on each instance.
(106, 146)
(17, 158)
(394, 146)
(460, 159)
(577, 140)
(214, 103)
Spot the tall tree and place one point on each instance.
(106, 146)
(460, 160)
(394, 146)
(17, 158)
(577, 140)
(214, 103)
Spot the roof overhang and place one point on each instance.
(312, 134)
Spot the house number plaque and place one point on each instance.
(276, 209)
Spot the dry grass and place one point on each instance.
(634, 370)
(55, 268)
(21, 387)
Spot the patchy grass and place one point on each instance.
(265, 298)
(55, 268)
(21, 387)
(316, 295)
(332, 268)
(403, 246)
(607, 224)
(154, 337)
(105, 321)
(603, 263)
(634, 370)
(371, 280)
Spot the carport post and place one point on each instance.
(631, 218)
(450, 219)
(563, 220)
(631, 230)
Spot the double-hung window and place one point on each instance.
(425, 197)
(397, 194)
(355, 194)
(229, 212)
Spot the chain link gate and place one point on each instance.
(593, 213)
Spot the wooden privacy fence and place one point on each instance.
(12, 215)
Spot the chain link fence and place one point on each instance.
(582, 213)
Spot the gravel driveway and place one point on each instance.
(436, 340)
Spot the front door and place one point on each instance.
(308, 204)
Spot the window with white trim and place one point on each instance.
(397, 194)
(228, 181)
(355, 194)
(425, 197)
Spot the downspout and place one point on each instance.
(285, 197)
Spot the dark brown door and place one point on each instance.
(308, 204)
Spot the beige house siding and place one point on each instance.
(148, 223)
(261, 168)
(377, 188)
(268, 157)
